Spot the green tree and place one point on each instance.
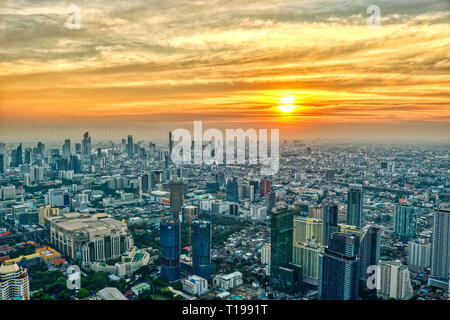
(83, 293)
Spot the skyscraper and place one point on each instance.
(441, 249)
(170, 143)
(395, 282)
(201, 248)
(14, 282)
(405, 221)
(66, 150)
(170, 238)
(17, 156)
(264, 187)
(176, 189)
(330, 221)
(271, 200)
(2, 163)
(340, 273)
(86, 144)
(354, 206)
(130, 146)
(232, 191)
(419, 255)
(284, 274)
(370, 249)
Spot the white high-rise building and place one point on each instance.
(14, 282)
(265, 254)
(419, 255)
(395, 282)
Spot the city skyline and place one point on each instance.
(146, 68)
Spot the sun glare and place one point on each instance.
(286, 107)
(287, 100)
(287, 104)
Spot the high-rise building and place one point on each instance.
(264, 187)
(201, 248)
(145, 182)
(58, 197)
(330, 221)
(405, 221)
(308, 230)
(170, 143)
(130, 146)
(265, 254)
(419, 255)
(340, 273)
(14, 284)
(27, 157)
(316, 211)
(66, 150)
(354, 206)
(170, 239)
(2, 163)
(284, 274)
(441, 249)
(86, 144)
(395, 282)
(47, 211)
(17, 156)
(176, 189)
(308, 255)
(370, 249)
(271, 200)
(232, 191)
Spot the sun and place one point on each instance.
(286, 108)
(287, 104)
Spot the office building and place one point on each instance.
(130, 146)
(341, 267)
(264, 187)
(232, 193)
(330, 221)
(354, 206)
(176, 189)
(370, 249)
(66, 150)
(170, 238)
(284, 274)
(86, 144)
(201, 248)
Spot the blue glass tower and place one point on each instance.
(170, 249)
(341, 268)
(201, 248)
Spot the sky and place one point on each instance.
(143, 67)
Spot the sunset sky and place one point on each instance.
(143, 67)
